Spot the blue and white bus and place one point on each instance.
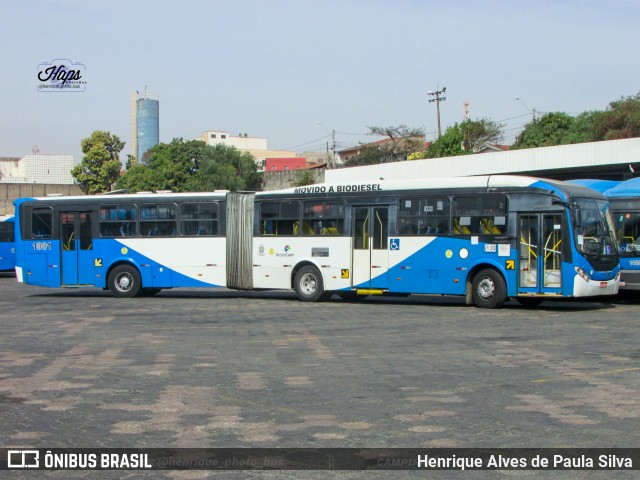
(7, 244)
(624, 198)
(487, 238)
(625, 204)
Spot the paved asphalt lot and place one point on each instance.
(196, 368)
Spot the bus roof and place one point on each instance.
(133, 197)
(480, 181)
(595, 184)
(628, 188)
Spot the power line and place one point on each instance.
(308, 143)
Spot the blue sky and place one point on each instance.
(276, 68)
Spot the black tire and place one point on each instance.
(124, 281)
(309, 286)
(529, 301)
(489, 289)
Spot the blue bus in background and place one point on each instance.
(486, 238)
(7, 244)
(625, 205)
(624, 197)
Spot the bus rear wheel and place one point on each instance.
(309, 286)
(489, 289)
(124, 281)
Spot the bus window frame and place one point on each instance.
(474, 224)
(52, 227)
(278, 218)
(157, 219)
(421, 217)
(309, 219)
(213, 221)
(128, 206)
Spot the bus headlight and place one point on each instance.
(583, 274)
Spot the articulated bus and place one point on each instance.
(487, 238)
(624, 198)
(7, 244)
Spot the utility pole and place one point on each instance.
(438, 99)
(532, 112)
(332, 160)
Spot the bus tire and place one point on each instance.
(309, 286)
(489, 289)
(124, 281)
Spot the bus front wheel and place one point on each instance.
(124, 281)
(309, 286)
(489, 289)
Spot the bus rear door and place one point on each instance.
(370, 247)
(76, 244)
(540, 253)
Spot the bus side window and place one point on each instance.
(198, 219)
(322, 217)
(423, 216)
(41, 222)
(280, 218)
(479, 215)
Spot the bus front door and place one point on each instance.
(76, 257)
(370, 247)
(540, 253)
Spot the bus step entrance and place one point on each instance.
(369, 291)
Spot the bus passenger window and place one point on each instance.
(198, 219)
(117, 221)
(461, 226)
(41, 223)
(323, 218)
(158, 220)
(479, 215)
(280, 218)
(423, 216)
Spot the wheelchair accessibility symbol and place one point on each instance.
(394, 244)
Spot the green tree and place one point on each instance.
(549, 130)
(465, 138)
(476, 134)
(369, 154)
(171, 166)
(582, 129)
(620, 120)
(191, 166)
(100, 166)
(303, 178)
(226, 168)
(398, 144)
(448, 144)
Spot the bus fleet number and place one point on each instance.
(38, 246)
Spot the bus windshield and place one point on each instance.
(628, 229)
(593, 229)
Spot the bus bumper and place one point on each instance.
(592, 288)
(631, 280)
